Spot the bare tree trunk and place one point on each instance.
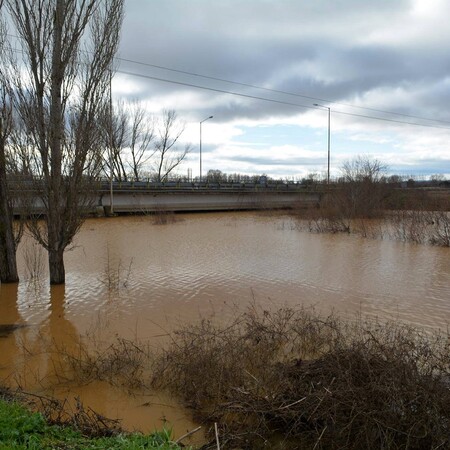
(8, 265)
(54, 182)
(56, 266)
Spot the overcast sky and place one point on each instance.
(260, 65)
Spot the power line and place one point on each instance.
(222, 91)
(223, 80)
(255, 97)
(273, 91)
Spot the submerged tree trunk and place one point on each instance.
(56, 266)
(8, 265)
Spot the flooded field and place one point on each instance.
(128, 277)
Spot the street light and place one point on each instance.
(111, 144)
(204, 120)
(329, 122)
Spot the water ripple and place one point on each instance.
(133, 269)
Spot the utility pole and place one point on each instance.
(204, 120)
(111, 144)
(329, 137)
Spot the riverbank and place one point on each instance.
(138, 281)
(279, 379)
(294, 379)
(21, 428)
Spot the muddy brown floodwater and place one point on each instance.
(131, 278)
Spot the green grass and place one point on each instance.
(22, 429)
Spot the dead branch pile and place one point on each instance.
(292, 379)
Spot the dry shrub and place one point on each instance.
(409, 225)
(33, 256)
(368, 228)
(326, 219)
(122, 363)
(440, 233)
(420, 226)
(423, 219)
(435, 199)
(338, 213)
(115, 275)
(6, 394)
(86, 420)
(164, 217)
(57, 412)
(293, 379)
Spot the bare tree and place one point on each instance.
(363, 169)
(142, 134)
(129, 135)
(216, 176)
(114, 125)
(68, 47)
(135, 140)
(168, 155)
(363, 189)
(8, 241)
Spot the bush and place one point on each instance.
(294, 379)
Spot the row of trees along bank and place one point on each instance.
(53, 93)
(60, 130)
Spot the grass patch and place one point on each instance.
(22, 429)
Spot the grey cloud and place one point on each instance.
(258, 42)
(273, 161)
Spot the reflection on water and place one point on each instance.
(131, 278)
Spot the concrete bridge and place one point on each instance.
(147, 196)
(153, 197)
(143, 197)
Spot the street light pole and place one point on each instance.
(204, 120)
(111, 144)
(329, 137)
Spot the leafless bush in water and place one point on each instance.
(325, 219)
(368, 228)
(304, 381)
(421, 227)
(162, 216)
(329, 220)
(124, 363)
(409, 226)
(440, 234)
(33, 256)
(418, 216)
(415, 225)
(116, 275)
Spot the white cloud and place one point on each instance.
(381, 55)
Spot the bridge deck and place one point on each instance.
(203, 200)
